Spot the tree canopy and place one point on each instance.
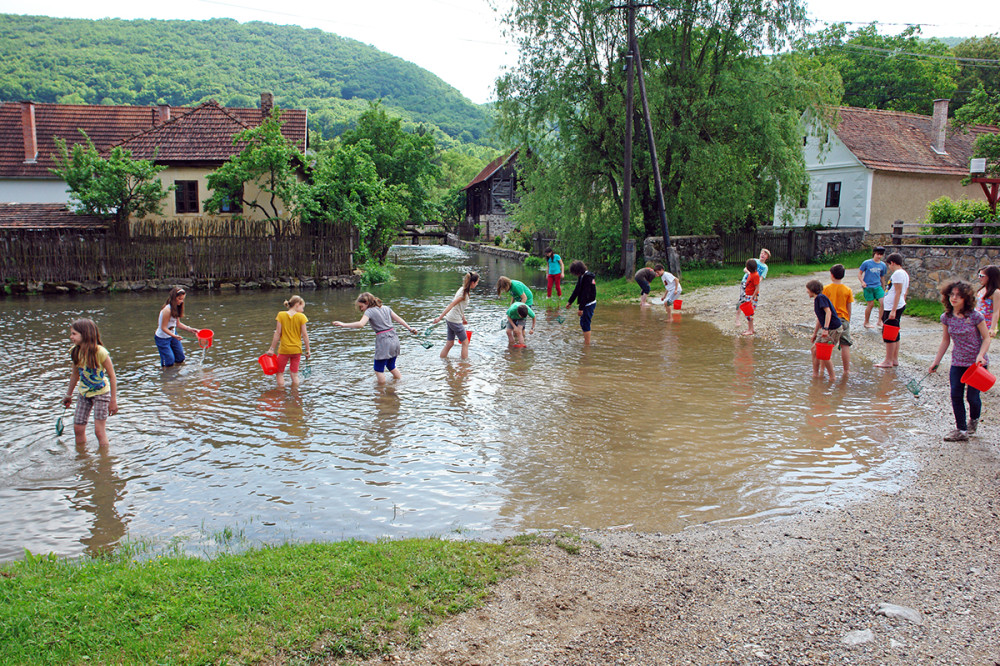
(725, 116)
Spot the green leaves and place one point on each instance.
(115, 187)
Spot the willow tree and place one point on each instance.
(726, 117)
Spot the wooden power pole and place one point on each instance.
(629, 111)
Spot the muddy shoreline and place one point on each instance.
(805, 589)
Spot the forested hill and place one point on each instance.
(144, 62)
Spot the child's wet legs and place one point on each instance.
(80, 433)
(101, 431)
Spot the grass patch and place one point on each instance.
(312, 600)
(924, 308)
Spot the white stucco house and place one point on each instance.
(874, 167)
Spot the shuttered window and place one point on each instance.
(186, 196)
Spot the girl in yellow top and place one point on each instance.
(95, 375)
(290, 332)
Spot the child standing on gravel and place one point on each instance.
(967, 327)
(749, 289)
(872, 275)
(841, 296)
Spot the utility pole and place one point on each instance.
(634, 59)
(629, 111)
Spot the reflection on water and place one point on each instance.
(659, 424)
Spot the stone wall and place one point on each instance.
(493, 225)
(486, 248)
(931, 267)
(839, 241)
(689, 248)
(165, 284)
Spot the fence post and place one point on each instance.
(104, 256)
(189, 250)
(977, 232)
(790, 247)
(897, 232)
(629, 257)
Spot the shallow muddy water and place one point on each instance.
(658, 425)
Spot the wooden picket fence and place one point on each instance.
(791, 245)
(109, 257)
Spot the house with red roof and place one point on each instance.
(488, 194)
(875, 167)
(190, 141)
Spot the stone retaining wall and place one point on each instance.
(165, 284)
(487, 248)
(839, 241)
(689, 248)
(930, 267)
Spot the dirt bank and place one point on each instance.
(800, 590)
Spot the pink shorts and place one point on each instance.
(285, 358)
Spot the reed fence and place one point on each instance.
(109, 257)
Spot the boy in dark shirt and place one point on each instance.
(828, 325)
(643, 277)
(585, 295)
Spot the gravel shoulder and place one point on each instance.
(805, 589)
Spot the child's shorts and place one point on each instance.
(383, 364)
(833, 336)
(456, 331)
(845, 334)
(285, 358)
(99, 404)
(518, 323)
(643, 285)
(587, 316)
(873, 294)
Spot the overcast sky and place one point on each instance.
(461, 40)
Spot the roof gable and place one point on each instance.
(898, 141)
(491, 169)
(203, 135)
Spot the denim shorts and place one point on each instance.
(587, 316)
(643, 285)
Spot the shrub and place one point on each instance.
(956, 214)
(375, 273)
(534, 262)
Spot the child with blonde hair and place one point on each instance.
(380, 318)
(93, 375)
(289, 334)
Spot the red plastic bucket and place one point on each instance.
(890, 333)
(468, 335)
(824, 350)
(205, 337)
(269, 364)
(747, 308)
(677, 304)
(978, 377)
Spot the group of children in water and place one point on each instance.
(969, 320)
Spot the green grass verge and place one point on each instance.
(924, 308)
(311, 601)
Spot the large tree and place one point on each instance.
(977, 63)
(113, 187)
(725, 116)
(900, 72)
(270, 162)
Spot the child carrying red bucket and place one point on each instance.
(968, 329)
(748, 295)
(828, 328)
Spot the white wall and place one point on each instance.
(828, 163)
(25, 190)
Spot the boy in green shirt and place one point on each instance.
(516, 314)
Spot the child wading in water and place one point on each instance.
(749, 289)
(380, 317)
(585, 295)
(519, 292)
(290, 332)
(516, 314)
(95, 375)
(828, 326)
(454, 315)
(967, 328)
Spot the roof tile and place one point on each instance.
(39, 217)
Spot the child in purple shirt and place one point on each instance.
(967, 328)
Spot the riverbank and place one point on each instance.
(807, 589)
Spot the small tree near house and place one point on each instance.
(115, 187)
(268, 161)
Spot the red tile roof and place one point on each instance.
(105, 125)
(490, 169)
(898, 141)
(39, 217)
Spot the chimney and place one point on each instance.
(28, 128)
(266, 104)
(162, 114)
(938, 126)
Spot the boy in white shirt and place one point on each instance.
(671, 285)
(893, 304)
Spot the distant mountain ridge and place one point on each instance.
(177, 62)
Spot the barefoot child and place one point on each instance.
(828, 326)
(841, 296)
(290, 332)
(519, 292)
(585, 295)
(643, 277)
(380, 317)
(748, 292)
(168, 343)
(967, 328)
(893, 306)
(872, 275)
(556, 272)
(454, 315)
(516, 314)
(671, 285)
(98, 387)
